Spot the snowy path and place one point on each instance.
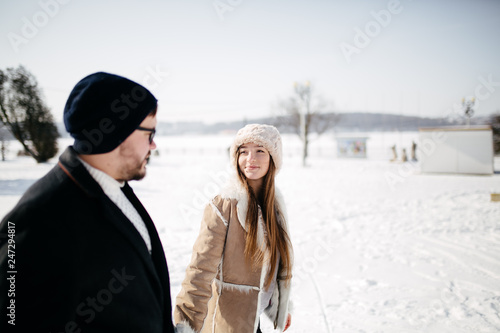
(418, 255)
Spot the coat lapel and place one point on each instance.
(159, 262)
(157, 253)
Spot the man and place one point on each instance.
(81, 252)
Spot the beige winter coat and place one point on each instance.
(221, 291)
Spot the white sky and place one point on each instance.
(420, 61)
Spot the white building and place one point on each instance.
(466, 150)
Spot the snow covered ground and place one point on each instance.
(379, 247)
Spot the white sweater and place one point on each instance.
(112, 188)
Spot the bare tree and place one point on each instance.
(25, 114)
(304, 114)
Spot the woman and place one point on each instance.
(242, 260)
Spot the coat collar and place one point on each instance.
(234, 189)
(74, 169)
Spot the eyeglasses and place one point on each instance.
(152, 132)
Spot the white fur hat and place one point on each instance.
(265, 135)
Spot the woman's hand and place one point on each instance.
(288, 322)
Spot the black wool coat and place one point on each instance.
(74, 263)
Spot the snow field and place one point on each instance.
(419, 254)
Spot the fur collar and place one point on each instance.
(234, 189)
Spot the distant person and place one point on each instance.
(241, 265)
(413, 151)
(86, 254)
(394, 154)
(404, 157)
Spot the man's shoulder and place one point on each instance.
(53, 193)
(50, 187)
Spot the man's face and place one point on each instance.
(134, 152)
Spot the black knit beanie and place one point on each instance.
(103, 110)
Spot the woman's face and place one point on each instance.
(253, 161)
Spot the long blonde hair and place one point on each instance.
(278, 241)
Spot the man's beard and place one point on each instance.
(139, 172)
